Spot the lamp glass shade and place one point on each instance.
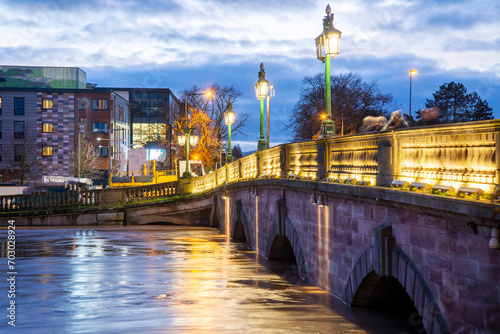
(181, 139)
(261, 88)
(331, 39)
(229, 117)
(319, 47)
(193, 140)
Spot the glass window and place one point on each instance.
(18, 152)
(101, 151)
(0, 105)
(82, 104)
(0, 152)
(99, 104)
(0, 129)
(18, 130)
(99, 127)
(47, 151)
(47, 127)
(19, 106)
(104, 151)
(121, 113)
(47, 103)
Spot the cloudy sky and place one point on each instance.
(180, 43)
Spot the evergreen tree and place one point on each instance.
(236, 152)
(456, 105)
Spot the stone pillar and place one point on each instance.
(385, 162)
(321, 159)
(283, 160)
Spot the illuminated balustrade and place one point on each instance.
(458, 155)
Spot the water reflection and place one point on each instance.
(168, 279)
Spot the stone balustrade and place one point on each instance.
(458, 155)
(86, 198)
(49, 200)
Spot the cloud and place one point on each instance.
(179, 43)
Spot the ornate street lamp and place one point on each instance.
(229, 117)
(327, 47)
(261, 88)
(187, 139)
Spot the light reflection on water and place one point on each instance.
(167, 279)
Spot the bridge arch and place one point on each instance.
(239, 228)
(288, 237)
(404, 283)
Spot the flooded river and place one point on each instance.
(165, 279)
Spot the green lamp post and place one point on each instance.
(187, 139)
(261, 88)
(229, 117)
(327, 47)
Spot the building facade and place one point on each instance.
(39, 131)
(153, 112)
(44, 111)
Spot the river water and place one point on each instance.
(165, 279)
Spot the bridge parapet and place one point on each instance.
(87, 198)
(460, 154)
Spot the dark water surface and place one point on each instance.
(165, 279)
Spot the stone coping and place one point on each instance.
(479, 212)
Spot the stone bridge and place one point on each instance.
(375, 246)
(400, 218)
(385, 219)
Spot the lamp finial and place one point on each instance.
(262, 72)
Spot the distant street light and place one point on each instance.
(229, 117)
(412, 73)
(327, 47)
(261, 88)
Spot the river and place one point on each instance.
(165, 279)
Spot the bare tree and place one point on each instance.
(352, 100)
(206, 113)
(215, 106)
(89, 160)
(22, 157)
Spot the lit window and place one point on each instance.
(47, 103)
(47, 151)
(99, 104)
(47, 127)
(99, 127)
(0, 105)
(82, 119)
(19, 106)
(18, 130)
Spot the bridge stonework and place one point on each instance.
(358, 240)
